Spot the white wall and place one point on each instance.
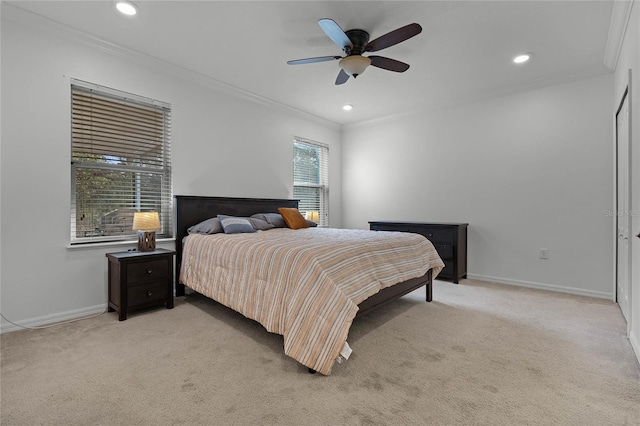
(223, 145)
(630, 59)
(527, 171)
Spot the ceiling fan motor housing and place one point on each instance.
(359, 39)
(355, 64)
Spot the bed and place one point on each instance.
(317, 341)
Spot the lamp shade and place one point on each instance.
(313, 216)
(146, 221)
(355, 65)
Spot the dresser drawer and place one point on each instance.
(391, 228)
(147, 293)
(443, 235)
(445, 251)
(447, 271)
(147, 271)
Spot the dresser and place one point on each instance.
(449, 239)
(140, 279)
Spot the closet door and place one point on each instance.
(623, 216)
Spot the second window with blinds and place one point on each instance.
(311, 179)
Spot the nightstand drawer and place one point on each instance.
(147, 271)
(147, 293)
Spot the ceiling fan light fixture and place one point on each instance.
(126, 8)
(355, 65)
(347, 107)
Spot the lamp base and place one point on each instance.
(146, 240)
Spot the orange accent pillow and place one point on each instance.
(293, 218)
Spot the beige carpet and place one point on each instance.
(481, 354)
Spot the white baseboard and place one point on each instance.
(52, 319)
(544, 286)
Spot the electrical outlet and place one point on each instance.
(544, 253)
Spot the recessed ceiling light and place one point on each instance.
(347, 107)
(521, 59)
(127, 8)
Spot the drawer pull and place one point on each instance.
(149, 271)
(149, 294)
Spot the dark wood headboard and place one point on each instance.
(190, 210)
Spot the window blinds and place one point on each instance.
(120, 162)
(311, 177)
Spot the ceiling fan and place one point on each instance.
(355, 42)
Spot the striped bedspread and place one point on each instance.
(304, 284)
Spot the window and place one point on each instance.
(311, 178)
(120, 163)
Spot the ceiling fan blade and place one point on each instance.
(388, 63)
(335, 33)
(342, 77)
(313, 60)
(394, 37)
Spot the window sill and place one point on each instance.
(89, 246)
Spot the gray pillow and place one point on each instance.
(273, 218)
(209, 226)
(235, 225)
(311, 223)
(259, 224)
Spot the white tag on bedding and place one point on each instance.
(346, 351)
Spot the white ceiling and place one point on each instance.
(464, 51)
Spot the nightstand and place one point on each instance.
(140, 279)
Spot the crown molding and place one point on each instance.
(619, 20)
(15, 14)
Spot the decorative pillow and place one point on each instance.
(311, 223)
(259, 224)
(209, 226)
(293, 218)
(273, 218)
(235, 225)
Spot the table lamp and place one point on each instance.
(313, 216)
(146, 223)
